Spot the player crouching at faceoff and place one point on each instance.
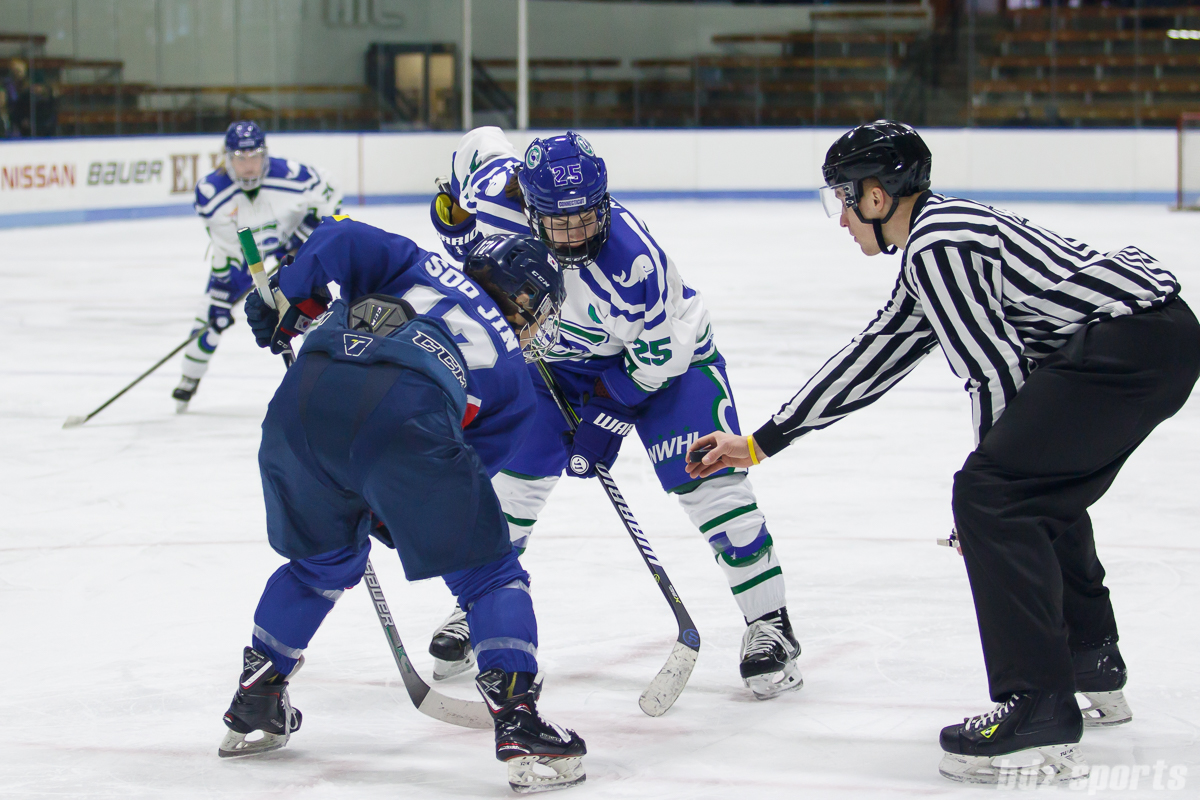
(1071, 358)
(280, 201)
(636, 351)
(365, 436)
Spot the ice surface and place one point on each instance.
(133, 550)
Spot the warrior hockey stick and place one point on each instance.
(668, 684)
(73, 422)
(465, 713)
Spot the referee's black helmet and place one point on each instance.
(888, 151)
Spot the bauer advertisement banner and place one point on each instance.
(79, 180)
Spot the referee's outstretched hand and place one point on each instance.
(726, 451)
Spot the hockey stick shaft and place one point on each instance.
(73, 422)
(464, 713)
(671, 679)
(258, 273)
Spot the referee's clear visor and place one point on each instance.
(838, 197)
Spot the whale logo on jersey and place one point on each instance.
(431, 345)
(642, 264)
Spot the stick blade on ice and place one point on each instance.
(668, 684)
(74, 422)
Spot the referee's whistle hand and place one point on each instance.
(726, 450)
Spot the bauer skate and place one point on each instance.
(1028, 741)
(1100, 676)
(184, 392)
(540, 755)
(451, 647)
(769, 653)
(260, 705)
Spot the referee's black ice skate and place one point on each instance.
(260, 705)
(183, 393)
(1029, 740)
(451, 646)
(1100, 676)
(769, 653)
(524, 739)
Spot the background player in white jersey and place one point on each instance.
(281, 201)
(635, 351)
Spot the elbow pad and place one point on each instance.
(457, 237)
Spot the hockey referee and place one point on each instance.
(1071, 358)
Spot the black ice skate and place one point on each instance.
(1028, 741)
(183, 393)
(1100, 676)
(260, 705)
(451, 647)
(524, 739)
(769, 652)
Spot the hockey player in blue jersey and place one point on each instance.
(636, 351)
(281, 201)
(408, 392)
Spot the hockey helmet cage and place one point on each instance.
(245, 141)
(891, 152)
(565, 187)
(525, 279)
(380, 314)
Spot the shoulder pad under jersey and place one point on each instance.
(290, 176)
(213, 191)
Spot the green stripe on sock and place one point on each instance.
(728, 515)
(521, 523)
(755, 581)
(522, 476)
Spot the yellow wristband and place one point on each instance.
(753, 458)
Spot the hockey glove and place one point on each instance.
(454, 226)
(597, 440)
(221, 293)
(303, 231)
(276, 333)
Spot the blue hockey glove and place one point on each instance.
(597, 440)
(454, 226)
(275, 333)
(221, 293)
(262, 318)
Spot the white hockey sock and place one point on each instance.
(198, 353)
(522, 499)
(726, 512)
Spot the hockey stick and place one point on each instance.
(464, 713)
(272, 297)
(668, 684)
(74, 421)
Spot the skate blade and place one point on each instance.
(529, 774)
(1061, 764)
(181, 406)
(1105, 709)
(448, 669)
(235, 744)
(773, 684)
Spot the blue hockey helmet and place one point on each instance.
(246, 154)
(565, 185)
(525, 279)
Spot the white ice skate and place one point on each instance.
(1104, 709)
(529, 774)
(1025, 769)
(769, 653)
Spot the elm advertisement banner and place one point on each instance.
(78, 180)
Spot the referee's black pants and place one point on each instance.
(1021, 498)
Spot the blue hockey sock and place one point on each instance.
(297, 599)
(500, 614)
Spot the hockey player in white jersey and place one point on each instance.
(281, 201)
(635, 352)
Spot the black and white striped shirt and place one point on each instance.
(997, 292)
